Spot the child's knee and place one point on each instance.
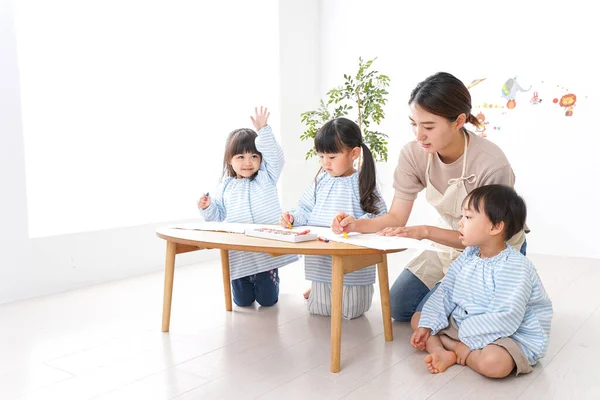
(496, 364)
(243, 298)
(267, 288)
(316, 307)
(354, 310)
(244, 302)
(267, 301)
(352, 315)
(267, 296)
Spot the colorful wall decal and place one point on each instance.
(475, 82)
(568, 102)
(509, 92)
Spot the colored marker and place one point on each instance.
(289, 223)
(206, 194)
(339, 218)
(323, 239)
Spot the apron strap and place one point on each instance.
(427, 168)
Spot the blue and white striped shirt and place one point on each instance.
(252, 202)
(318, 208)
(493, 298)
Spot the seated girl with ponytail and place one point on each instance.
(339, 189)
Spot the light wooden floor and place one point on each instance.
(104, 342)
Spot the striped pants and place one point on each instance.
(356, 300)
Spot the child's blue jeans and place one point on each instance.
(262, 288)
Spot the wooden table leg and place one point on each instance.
(226, 278)
(168, 291)
(384, 290)
(337, 288)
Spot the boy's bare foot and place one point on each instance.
(439, 362)
(307, 294)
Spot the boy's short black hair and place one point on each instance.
(500, 204)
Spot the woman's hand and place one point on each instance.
(418, 232)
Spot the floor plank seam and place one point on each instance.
(449, 380)
(559, 351)
(375, 376)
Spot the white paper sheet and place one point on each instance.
(374, 241)
(214, 227)
(369, 240)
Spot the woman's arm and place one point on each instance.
(394, 224)
(396, 216)
(447, 237)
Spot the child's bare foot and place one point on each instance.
(439, 362)
(307, 294)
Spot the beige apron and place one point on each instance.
(430, 266)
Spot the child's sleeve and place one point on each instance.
(513, 288)
(215, 212)
(272, 154)
(379, 204)
(439, 306)
(305, 206)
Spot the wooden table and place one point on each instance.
(345, 259)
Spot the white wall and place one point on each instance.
(553, 156)
(117, 122)
(31, 267)
(300, 90)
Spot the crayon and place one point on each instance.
(339, 218)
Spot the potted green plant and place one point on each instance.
(365, 93)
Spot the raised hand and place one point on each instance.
(260, 118)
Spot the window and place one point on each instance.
(127, 104)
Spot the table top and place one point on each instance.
(239, 241)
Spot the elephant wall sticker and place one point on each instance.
(509, 92)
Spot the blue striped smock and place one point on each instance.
(318, 208)
(493, 298)
(252, 202)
